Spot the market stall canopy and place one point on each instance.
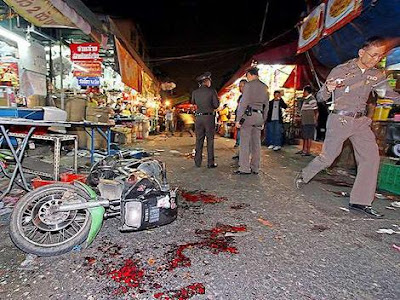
(284, 55)
(377, 18)
(60, 14)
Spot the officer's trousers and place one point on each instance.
(358, 131)
(250, 144)
(204, 128)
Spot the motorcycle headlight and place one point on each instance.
(133, 214)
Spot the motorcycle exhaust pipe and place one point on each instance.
(84, 205)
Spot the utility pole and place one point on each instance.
(263, 23)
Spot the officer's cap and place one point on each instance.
(206, 75)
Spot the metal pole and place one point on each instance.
(61, 74)
(263, 24)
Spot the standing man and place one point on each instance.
(274, 124)
(252, 113)
(206, 100)
(349, 85)
(309, 119)
(169, 121)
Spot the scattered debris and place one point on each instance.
(344, 209)
(174, 152)
(29, 262)
(320, 227)
(265, 222)
(240, 206)
(200, 196)
(380, 196)
(340, 193)
(387, 231)
(396, 247)
(395, 204)
(390, 208)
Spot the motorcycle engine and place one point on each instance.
(145, 206)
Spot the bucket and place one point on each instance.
(381, 112)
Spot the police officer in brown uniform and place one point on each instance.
(349, 85)
(252, 114)
(206, 100)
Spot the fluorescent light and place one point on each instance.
(14, 37)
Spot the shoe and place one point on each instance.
(235, 157)
(366, 209)
(237, 172)
(271, 146)
(300, 152)
(306, 154)
(299, 181)
(236, 145)
(276, 148)
(212, 166)
(253, 172)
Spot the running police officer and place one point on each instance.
(349, 85)
(252, 114)
(206, 100)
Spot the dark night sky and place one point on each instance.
(176, 28)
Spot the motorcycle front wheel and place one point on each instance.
(36, 228)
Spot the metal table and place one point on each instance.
(57, 139)
(104, 129)
(18, 153)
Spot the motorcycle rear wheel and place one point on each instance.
(35, 229)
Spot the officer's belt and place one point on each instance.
(204, 113)
(346, 113)
(257, 110)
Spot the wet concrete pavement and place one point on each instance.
(263, 240)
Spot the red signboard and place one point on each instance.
(87, 68)
(85, 51)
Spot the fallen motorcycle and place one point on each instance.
(54, 219)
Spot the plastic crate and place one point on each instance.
(389, 178)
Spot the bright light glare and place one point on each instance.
(14, 37)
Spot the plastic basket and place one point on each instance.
(389, 178)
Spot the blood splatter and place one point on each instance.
(129, 274)
(182, 294)
(200, 196)
(213, 240)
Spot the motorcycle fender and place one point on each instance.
(97, 214)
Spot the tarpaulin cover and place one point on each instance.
(378, 18)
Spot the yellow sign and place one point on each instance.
(41, 13)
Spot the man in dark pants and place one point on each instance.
(206, 100)
(274, 124)
(252, 113)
